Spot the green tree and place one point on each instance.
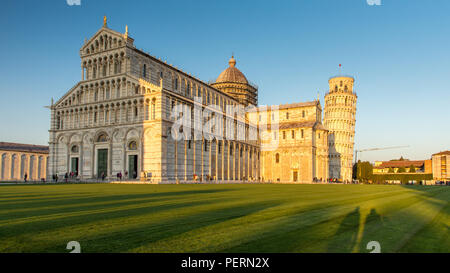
(401, 170)
(364, 171)
(391, 170)
(412, 169)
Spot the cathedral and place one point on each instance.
(132, 116)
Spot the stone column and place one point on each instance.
(2, 169)
(234, 161)
(194, 159)
(239, 161)
(185, 159)
(124, 156)
(210, 158)
(228, 159)
(81, 163)
(202, 149)
(217, 160)
(110, 157)
(93, 160)
(223, 158)
(176, 156)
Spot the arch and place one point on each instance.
(13, 166)
(3, 166)
(75, 149)
(23, 169)
(102, 137)
(132, 145)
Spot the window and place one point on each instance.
(95, 117)
(293, 134)
(74, 149)
(135, 111)
(303, 113)
(189, 144)
(58, 122)
(175, 84)
(302, 133)
(336, 88)
(144, 71)
(132, 145)
(277, 158)
(284, 134)
(206, 145)
(94, 72)
(346, 88)
(153, 109)
(287, 115)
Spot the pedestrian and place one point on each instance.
(66, 177)
(126, 174)
(103, 176)
(25, 177)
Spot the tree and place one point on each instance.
(391, 170)
(401, 170)
(364, 171)
(412, 169)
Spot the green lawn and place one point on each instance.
(223, 218)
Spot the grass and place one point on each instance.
(223, 218)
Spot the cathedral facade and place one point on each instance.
(134, 116)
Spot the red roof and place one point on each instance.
(443, 153)
(19, 147)
(401, 163)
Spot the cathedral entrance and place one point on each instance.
(132, 166)
(74, 165)
(102, 162)
(295, 176)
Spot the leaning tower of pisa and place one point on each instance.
(340, 110)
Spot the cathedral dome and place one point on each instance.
(232, 74)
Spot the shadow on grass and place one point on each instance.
(143, 236)
(345, 238)
(49, 201)
(37, 225)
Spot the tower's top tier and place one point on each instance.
(341, 84)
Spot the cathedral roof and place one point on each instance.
(232, 74)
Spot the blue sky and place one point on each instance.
(398, 52)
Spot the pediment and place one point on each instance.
(103, 39)
(69, 98)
